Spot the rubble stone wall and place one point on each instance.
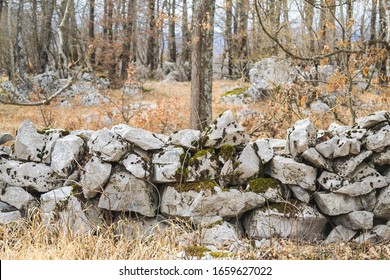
(329, 185)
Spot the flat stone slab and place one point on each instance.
(333, 204)
(356, 220)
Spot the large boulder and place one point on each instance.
(126, 193)
(205, 199)
(290, 172)
(286, 221)
(94, 177)
(66, 154)
(334, 204)
(33, 145)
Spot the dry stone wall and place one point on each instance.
(316, 185)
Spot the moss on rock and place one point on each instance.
(261, 185)
(227, 152)
(234, 92)
(197, 186)
(196, 251)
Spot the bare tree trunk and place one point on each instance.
(243, 45)
(171, 31)
(46, 34)
(110, 37)
(228, 36)
(382, 36)
(91, 28)
(202, 53)
(129, 37)
(373, 19)
(62, 28)
(1, 7)
(186, 38)
(20, 52)
(11, 71)
(151, 55)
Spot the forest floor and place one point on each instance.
(30, 240)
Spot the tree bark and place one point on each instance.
(243, 45)
(373, 20)
(11, 57)
(91, 29)
(171, 31)
(202, 54)
(151, 56)
(228, 36)
(186, 38)
(382, 36)
(128, 40)
(46, 35)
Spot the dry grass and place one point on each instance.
(30, 240)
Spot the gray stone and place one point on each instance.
(339, 147)
(382, 208)
(137, 166)
(107, 145)
(66, 154)
(340, 234)
(330, 181)
(219, 235)
(5, 137)
(377, 140)
(139, 137)
(271, 192)
(94, 177)
(363, 181)
(277, 144)
(202, 167)
(225, 130)
(380, 233)
(333, 204)
(336, 129)
(304, 222)
(267, 243)
(301, 194)
(31, 145)
(9, 217)
(38, 176)
(354, 133)
(382, 158)
(319, 107)
(231, 203)
(301, 137)
(166, 164)
(264, 150)
(17, 197)
(5, 151)
(187, 138)
(356, 220)
(94, 99)
(139, 228)
(127, 193)
(373, 119)
(248, 163)
(346, 167)
(313, 157)
(5, 207)
(290, 172)
(61, 206)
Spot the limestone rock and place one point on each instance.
(290, 172)
(330, 181)
(107, 145)
(373, 119)
(225, 130)
(60, 205)
(300, 221)
(301, 137)
(139, 228)
(137, 166)
(264, 150)
(333, 204)
(5, 137)
(380, 233)
(356, 220)
(382, 158)
(340, 234)
(31, 145)
(9, 217)
(66, 154)
(187, 138)
(202, 166)
(139, 137)
(269, 188)
(127, 193)
(94, 99)
(301, 194)
(363, 181)
(377, 140)
(18, 198)
(313, 157)
(339, 147)
(37, 176)
(167, 164)
(248, 163)
(94, 177)
(382, 208)
(346, 167)
(208, 202)
(219, 234)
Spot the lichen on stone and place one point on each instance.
(197, 186)
(235, 92)
(196, 251)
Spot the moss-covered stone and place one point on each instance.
(197, 186)
(290, 207)
(234, 92)
(227, 152)
(261, 185)
(221, 255)
(196, 251)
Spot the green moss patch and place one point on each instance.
(235, 92)
(221, 255)
(261, 185)
(196, 251)
(227, 152)
(197, 186)
(290, 207)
